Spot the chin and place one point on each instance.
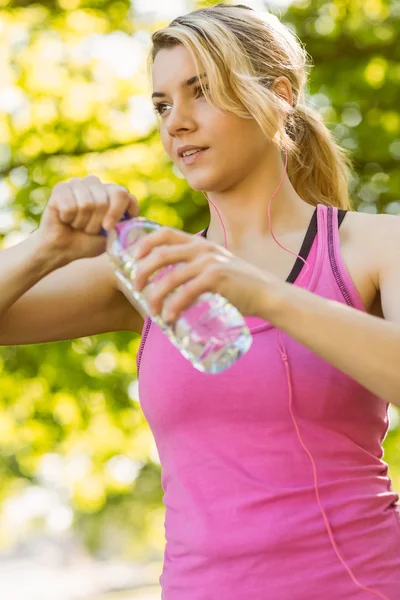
(203, 182)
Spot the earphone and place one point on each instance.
(282, 350)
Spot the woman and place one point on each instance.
(274, 482)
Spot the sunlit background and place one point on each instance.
(81, 512)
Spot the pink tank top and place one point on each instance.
(242, 520)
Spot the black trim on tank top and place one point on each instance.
(306, 245)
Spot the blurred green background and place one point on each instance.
(79, 470)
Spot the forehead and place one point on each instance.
(171, 67)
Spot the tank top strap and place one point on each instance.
(335, 217)
(333, 230)
(327, 226)
(322, 258)
(333, 266)
(329, 221)
(334, 252)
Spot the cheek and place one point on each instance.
(249, 147)
(241, 137)
(166, 141)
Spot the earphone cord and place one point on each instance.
(282, 350)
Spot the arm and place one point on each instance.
(58, 284)
(363, 346)
(43, 301)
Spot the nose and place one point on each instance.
(180, 120)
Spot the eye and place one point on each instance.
(160, 107)
(199, 92)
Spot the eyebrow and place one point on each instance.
(185, 84)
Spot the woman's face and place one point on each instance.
(235, 146)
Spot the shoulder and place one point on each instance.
(368, 223)
(377, 236)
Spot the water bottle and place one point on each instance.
(211, 333)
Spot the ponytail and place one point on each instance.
(318, 168)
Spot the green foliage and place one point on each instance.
(355, 83)
(70, 408)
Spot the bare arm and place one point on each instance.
(75, 300)
(361, 345)
(21, 267)
(58, 284)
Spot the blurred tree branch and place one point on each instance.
(41, 158)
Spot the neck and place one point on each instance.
(244, 207)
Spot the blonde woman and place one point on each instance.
(274, 482)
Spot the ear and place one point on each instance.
(283, 88)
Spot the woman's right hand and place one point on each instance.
(76, 212)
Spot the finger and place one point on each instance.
(171, 282)
(85, 203)
(165, 255)
(167, 236)
(99, 193)
(65, 203)
(206, 281)
(120, 200)
(133, 206)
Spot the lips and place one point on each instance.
(188, 160)
(187, 148)
(191, 152)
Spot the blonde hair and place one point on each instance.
(242, 52)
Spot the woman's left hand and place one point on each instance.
(205, 267)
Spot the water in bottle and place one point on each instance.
(211, 333)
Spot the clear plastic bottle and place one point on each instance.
(211, 333)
